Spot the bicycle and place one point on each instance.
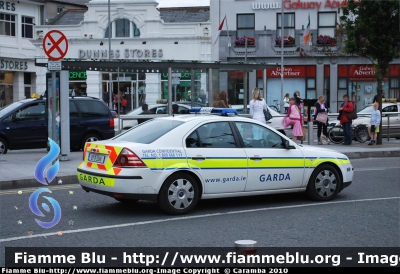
(276, 107)
(358, 133)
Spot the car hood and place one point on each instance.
(312, 151)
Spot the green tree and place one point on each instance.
(372, 30)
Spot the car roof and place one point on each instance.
(206, 117)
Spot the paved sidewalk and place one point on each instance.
(17, 167)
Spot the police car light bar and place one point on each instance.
(212, 110)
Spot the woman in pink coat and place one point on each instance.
(294, 119)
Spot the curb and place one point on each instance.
(372, 154)
(29, 183)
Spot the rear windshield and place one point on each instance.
(367, 110)
(148, 132)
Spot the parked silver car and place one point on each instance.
(364, 117)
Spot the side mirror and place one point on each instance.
(287, 144)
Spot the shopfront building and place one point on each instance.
(138, 33)
(317, 68)
(17, 53)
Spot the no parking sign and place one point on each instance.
(55, 45)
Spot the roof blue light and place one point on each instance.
(211, 110)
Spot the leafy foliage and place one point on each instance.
(372, 30)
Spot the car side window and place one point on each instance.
(91, 108)
(193, 140)
(8, 119)
(73, 111)
(256, 136)
(392, 108)
(212, 135)
(183, 110)
(31, 113)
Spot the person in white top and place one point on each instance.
(286, 102)
(257, 106)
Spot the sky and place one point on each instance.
(182, 3)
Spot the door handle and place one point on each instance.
(255, 158)
(199, 158)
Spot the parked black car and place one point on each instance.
(23, 124)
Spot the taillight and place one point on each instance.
(127, 158)
(112, 122)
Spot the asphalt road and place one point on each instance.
(366, 214)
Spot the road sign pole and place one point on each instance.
(64, 114)
(53, 107)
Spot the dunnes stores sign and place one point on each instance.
(126, 53)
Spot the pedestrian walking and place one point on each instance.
(375, 122)
(321, 116)
(299, 100)
(222, 100)
(346, 108)
(124, 103)
(286, 104)
(376, 97)
(294, 118)
(257, 106)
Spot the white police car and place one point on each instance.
(178, 160)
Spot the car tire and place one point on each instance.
(91, 137)
(179, 194)
(127, 201)
(324, 184)
(3, 146)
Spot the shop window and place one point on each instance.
(27, 92)
(326, 24)
(311, 83)
(245, 25)
(288, 27)
(7, 24)
(394, 89)
(27, 27)
(27, 78)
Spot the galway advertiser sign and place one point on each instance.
(292, 4)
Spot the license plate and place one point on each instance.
(97, 158)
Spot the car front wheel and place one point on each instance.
(3, 146)
(179, 194)
(324, 183)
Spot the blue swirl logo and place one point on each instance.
(40, 176)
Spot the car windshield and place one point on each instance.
(9, 108)
(366, 110)
(148, 132)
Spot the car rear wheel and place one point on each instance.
(3, 146)
(91, 137)
(179, 194)
(324, 183)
